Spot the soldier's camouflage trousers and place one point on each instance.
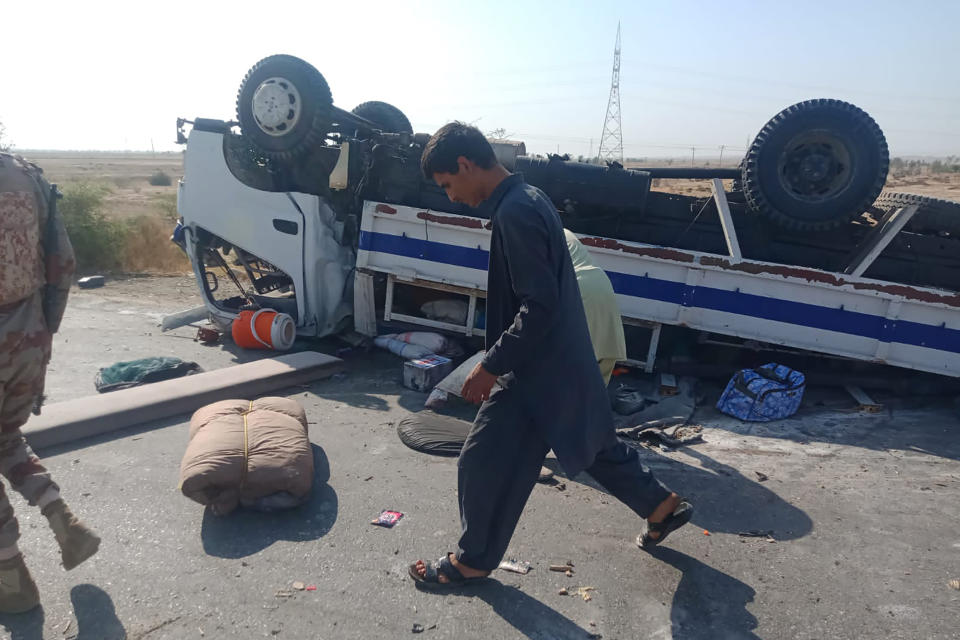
(24, 352)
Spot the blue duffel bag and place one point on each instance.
(770, 392)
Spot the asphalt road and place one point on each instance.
(861, 508)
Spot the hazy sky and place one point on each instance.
(115, 75)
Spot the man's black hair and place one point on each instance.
(451, 141)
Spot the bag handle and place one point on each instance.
(769, 372)
(740, 384)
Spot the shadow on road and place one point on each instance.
(707, 604)
(96, 615)
(244, 532)
(530, 617)
(23, 626)
(725, 500)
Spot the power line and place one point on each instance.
(611, 140)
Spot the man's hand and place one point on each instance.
(478, 384)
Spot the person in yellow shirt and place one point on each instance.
(600, 306)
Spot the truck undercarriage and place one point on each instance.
(300, 202)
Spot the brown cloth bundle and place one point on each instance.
(256, 454)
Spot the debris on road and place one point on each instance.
(705, 532)
(91, 282)
(311, 587)
(754, 533)
(561, 568)
(299, 586)
(762, 477)
(207, 335)
(670, 431)
(584, 592)
(954, 584)
(417, 627)
(133, 373)
(283, 593)
(515, 566)
(387, 518)
(563, 591)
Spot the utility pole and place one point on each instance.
(721, 155)
(611, 140)
(693, 156)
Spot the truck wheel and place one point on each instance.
(934, 215)
(816, 165)
(284, 106)
(388, 117)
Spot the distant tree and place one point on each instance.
(5, 143)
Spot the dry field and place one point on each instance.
(128, 197)
(124, 174)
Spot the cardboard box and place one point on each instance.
(424, 373)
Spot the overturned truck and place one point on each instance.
(326, 214)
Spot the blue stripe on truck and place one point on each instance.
(745, 304)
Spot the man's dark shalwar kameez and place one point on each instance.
(553, 396)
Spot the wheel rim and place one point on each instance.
(276, 106)
(815, 166)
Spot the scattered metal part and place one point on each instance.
(207, 335)
(561, 568)
(515, 566)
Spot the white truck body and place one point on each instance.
(833, 313)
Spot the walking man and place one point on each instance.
(553, 395)
(36, 268)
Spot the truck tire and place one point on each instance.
(935, 215)
(283, 106)
(388, 117)
(816, 165)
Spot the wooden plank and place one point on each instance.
(364, 304)
(95, 415)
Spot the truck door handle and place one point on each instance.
(285, 226)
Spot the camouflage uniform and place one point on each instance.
(36, 268)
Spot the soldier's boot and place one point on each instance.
(18, 591)
(77, 542)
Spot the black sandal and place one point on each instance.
(442, 566)
(680, 516)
